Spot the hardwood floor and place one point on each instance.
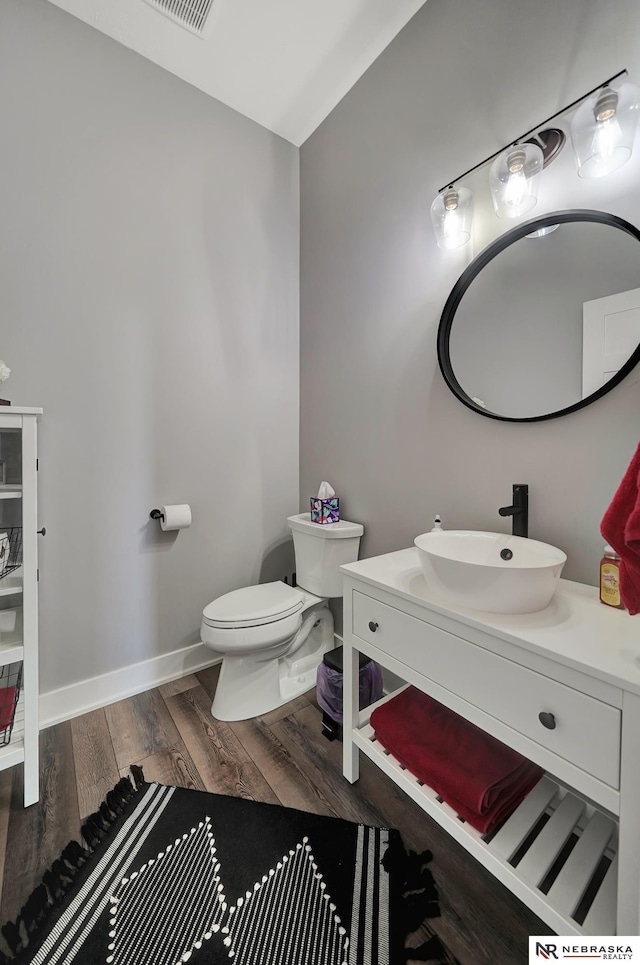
(281, 758)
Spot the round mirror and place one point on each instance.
(546, 319)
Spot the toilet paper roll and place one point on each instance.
(176, 517)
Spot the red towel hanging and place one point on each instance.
(621, 528)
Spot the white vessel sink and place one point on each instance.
(465, 567)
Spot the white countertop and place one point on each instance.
(575, 629)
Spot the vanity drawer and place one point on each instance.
(584, 730)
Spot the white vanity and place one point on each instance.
(571, 851)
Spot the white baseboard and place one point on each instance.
(79, 698)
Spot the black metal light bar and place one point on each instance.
(537, 127)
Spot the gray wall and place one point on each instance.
(149, 302)
(377, 419)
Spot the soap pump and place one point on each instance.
(437, 525)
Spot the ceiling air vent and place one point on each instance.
(191, 14)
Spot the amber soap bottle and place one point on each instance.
(610, 579)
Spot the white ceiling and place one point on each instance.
(283, 63)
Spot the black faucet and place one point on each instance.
(519, 511)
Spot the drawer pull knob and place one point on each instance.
(373, 626)
(547, 720)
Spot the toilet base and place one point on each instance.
(251, 685)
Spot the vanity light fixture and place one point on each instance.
(451, 214)
(543, 232)
(514, 178)
(602, 132)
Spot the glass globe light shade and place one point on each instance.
(451, 216)
(514, 178)
(603, 130)
(543, 232)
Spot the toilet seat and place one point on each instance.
(253, 606)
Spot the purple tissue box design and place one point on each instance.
(325, 510)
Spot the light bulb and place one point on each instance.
(453, 234)
(605, 141)
(603, 130)
(607, 134)
(451, 215)
(515, 190)
(513, 179)
(452, 230)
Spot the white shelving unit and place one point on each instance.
(571, 850)
(19, 588)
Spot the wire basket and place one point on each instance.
(10, 549)
(10, 683)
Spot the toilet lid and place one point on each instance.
(253, 605)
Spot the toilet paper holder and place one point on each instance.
(172, 518)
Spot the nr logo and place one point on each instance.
(546, 951)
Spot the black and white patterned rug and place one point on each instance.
(175, 875)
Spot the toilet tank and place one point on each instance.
(320, 550)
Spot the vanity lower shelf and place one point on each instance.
(556, 853)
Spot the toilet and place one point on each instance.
(273, 636)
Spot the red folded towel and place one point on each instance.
(7, 704)
(481, 778)
(621, 528)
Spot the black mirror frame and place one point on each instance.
(476, 266)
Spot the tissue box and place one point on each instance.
(325, 510)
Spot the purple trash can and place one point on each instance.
(330, 687)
